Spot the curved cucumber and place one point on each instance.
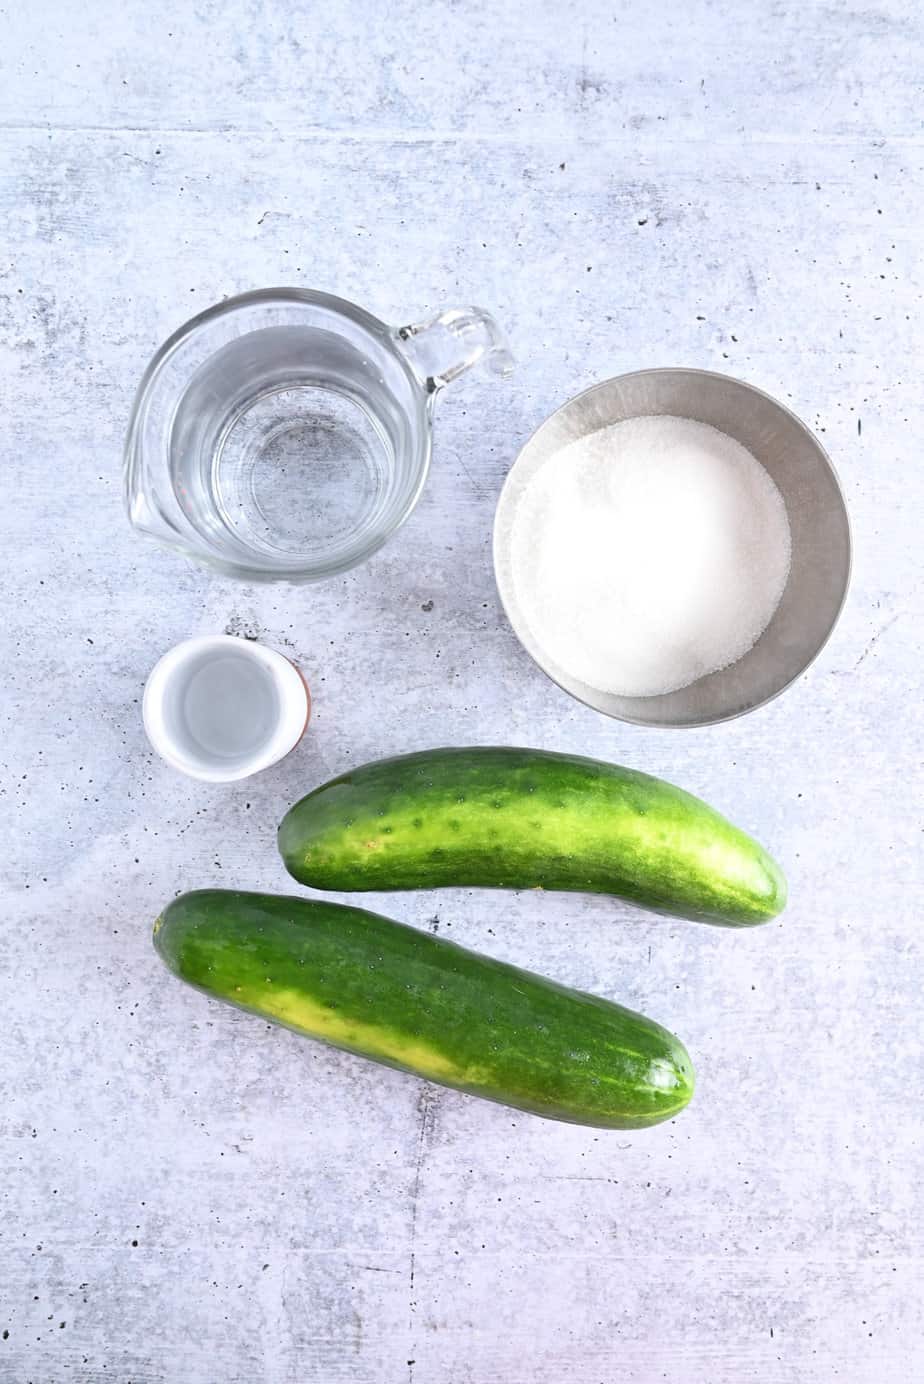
(529, 819)
(417, 1002)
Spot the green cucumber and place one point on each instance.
(529, 819)
(414, 1001)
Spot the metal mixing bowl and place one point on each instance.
(817, 584)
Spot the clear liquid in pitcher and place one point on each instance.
(287, 439)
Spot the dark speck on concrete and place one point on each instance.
(427, 605)
(243, 629)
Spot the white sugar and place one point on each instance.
(648, 554)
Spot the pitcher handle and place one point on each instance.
(443, 347)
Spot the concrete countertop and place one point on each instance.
(188, 1196)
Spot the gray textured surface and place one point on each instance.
(188, 1196)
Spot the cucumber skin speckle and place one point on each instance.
(466, 817)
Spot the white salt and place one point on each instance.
(649, 554)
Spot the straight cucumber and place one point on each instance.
(414, 1001)
(528, 819)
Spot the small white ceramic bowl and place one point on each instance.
(222, 708)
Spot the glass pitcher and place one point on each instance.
(283, 435)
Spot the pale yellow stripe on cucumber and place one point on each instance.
(567, 831)
(306, 1015)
